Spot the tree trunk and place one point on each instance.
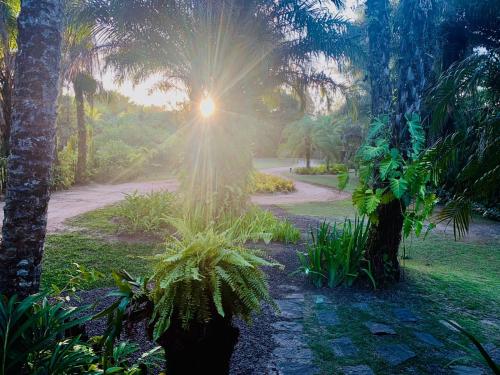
(379, 35)
(415, 63)
(308, 153)
(81, 163)
(31, 146)
(383, 243)
(385, 236)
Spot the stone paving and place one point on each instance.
(312, 336)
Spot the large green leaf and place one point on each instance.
(398, 186)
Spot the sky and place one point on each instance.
(141, 94)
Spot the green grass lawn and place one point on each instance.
(330, 211)
(62, 250)
(264, 163)
(327, 180)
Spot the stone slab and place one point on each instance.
(380, 329)
(404, 315)
(428, 339)
(290, 309)
(343, 347)
(287, 326)
(357, 370)
(395, 354)
(327, 317)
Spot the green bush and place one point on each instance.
(322, 169)
(41, 336)
(148, 213)
(267, 183)
(206, 273)
(63, 175)
(336, 256)
(257, 224)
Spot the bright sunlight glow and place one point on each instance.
(207, 107)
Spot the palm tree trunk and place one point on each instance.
(31, 146)
(379, 34)
(308, 152)
(385, 236)
(81, 163)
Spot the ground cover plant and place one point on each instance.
(268, 183)
(321, 169)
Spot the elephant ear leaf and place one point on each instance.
(398, 187)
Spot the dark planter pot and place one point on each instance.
(203, 349)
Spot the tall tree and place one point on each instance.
(31, 145)
(385, 236)
(79, 63)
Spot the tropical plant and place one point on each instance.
(39, 336)
(472, 165)
(268, 183)
(177, 41)
(336, 255)
(397, 180)
(204, 274)
(148, 212)
(30, 163)
(33, 337)
(79, 63)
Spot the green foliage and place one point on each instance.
(322, 169)
(336, 255)
(484, 354)
(268, 183)
(32, 337)
(63, 175)
(38, 336)
(386, 174)
(469, 159)
(254, 224)
(147, 213)
(204, 274)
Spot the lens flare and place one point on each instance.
(207, 107)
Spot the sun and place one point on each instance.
(207, 107)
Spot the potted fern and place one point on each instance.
(200, 283)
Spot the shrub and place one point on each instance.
(322, 169)
(257, 224)
(63, 175)
(267, 183)
(204, 274)
(148, 212)
(40, 336)
(335, 255)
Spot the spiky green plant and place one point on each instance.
(204, 274)
(336, 254)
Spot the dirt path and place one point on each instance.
(66, 204)
(70, 203)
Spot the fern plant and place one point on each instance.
(205, 274)
(403, 174)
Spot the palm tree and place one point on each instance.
(31, 146)
(233, 50)
(79, 62)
